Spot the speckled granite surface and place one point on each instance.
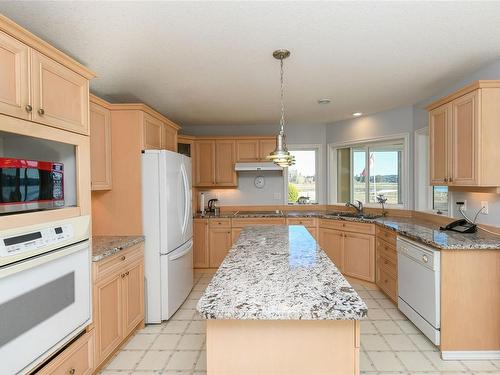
(104, 246)
(415, 229)
(278, 272)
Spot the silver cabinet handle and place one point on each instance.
(28, 108)
(425, 259)
(41, 111)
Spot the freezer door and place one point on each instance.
(177, 278)
(175, 201)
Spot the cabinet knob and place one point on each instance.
(123, 275)
(127, 273)
(41, 111)
(28, 108)
(123, 257)
(445, 179)
(72, 371)
(450, 179)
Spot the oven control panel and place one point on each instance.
(29, 241)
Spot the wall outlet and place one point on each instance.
(277, 196)
(485, 209)
(464, 205)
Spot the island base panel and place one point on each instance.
(291, 347)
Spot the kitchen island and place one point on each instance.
(278, 305)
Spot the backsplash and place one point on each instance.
(247, 194)
(474, 204)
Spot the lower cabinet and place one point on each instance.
(200, 243)
(387, 263)
(219, 245)
(118, 299)
(77, 358)
(350, 246)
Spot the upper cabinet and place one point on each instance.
(60, 96)
(158, 134)
(214, 163)
(254, 149)
(41, 84)
(14, 78)
(169, 137)
(100, 147)
(463, 129)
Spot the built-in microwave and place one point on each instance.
(30, 185)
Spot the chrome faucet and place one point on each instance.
(359, 207)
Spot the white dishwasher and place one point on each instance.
(419, 286)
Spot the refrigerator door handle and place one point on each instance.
(189, 246)
(186, 198)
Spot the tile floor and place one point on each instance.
(390, 343)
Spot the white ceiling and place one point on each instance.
(211, 63)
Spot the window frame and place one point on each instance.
(374, 142)
(318, 148)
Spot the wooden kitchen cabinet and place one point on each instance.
(387, 263)
(266, 146)
(463, 129)
(359, 256)
(60, 96)
(204, 163)
(219, 244)
(118, 302)
(351, 246)
(309, 222)
(77, 358)
(14, 77)
(214, 163)
(100, 147)
(169, 138)
(200, 243)
(331, 241)
(247, 150)
(152, 132)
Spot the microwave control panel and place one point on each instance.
(30, 241)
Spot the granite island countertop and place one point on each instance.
(279, 272)
(105, 246)
(416, 229)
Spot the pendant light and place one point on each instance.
(281, 156)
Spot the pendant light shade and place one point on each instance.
(281, 156)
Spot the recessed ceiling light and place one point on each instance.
(357, 114)
(324, 101)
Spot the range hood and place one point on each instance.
(263, 166)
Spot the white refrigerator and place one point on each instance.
(168, 227)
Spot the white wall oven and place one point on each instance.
(45, 291)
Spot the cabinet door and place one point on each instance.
(200, 243)
(100, 147)
(359, 256)
(247, 150)
(331, 241)
(108, 317)
(152, 133)
(266, 146)
(169, 138)
(133, 296)
(220, 243)
(235, 234)
(464, 140)
(204, 165)
(225, 157)
(439, 119)
(314, 232)
(60, 96)
(14, 77)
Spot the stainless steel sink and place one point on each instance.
(355, 215)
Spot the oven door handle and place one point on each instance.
(42, 259)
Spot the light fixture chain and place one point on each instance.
(282, 95)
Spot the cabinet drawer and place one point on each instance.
(219, 223)
(387, 235)
(388, 250)
(118, 261)
(348, 226)
(388, 283)
(78, 358)
(388, 264)
(243, 222)
(305, 221)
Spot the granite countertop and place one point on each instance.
(416, 229)
(279, 272)
(104, 246)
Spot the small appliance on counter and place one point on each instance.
(213, 208)
(202, 203)
(30, 185)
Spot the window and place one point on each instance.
(440, 198)
(368, 170)
(302, 178)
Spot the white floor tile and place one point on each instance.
(373, 342)
(422, 342)
(441, 365)
(415, 361)
(407, 326)
(480, 366)
(141, 341)
(378, 314)
(385, 361)
(166, 341)
(197, 327)
(125, 360)
(183, 360)
(399, 342)
(387, 327)
(183, 314)
(367, 327)
(395, 314)
(201, 363)
(371, 303)
(175, 326)
(191, 342)
(365, 363)
(154, 360)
